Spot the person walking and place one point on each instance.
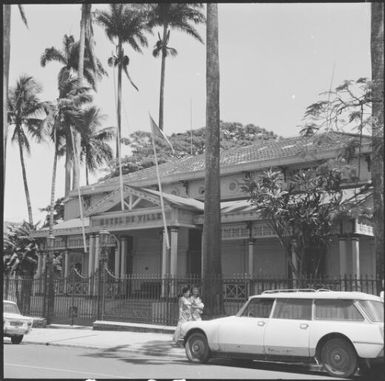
(196, 304)
(184, 312)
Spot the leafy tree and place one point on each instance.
(301, 211)
(20, 257)
(189, 143)
(126, 24)
(377, 55)
(58, 212)
(178, 16)
(211, 238)
(26, 112)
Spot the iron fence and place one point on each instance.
(149, 298)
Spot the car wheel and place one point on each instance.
(17, 339)
(339, 358)
(197, 349)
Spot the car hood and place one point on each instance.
(207, 323)
(9, 315)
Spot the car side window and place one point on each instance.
(298, 309)
(336, 309)
(259, 308)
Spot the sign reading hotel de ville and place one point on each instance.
(153, 218)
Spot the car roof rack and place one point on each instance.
(295, 290)
(289, 290)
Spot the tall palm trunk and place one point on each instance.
(87, 180)
(119, 105)
(162, 77)
(27, 196)
(53, 187)
(211, 241)
(68, 166)
(76, 150)
(6, 57)
(377, 56)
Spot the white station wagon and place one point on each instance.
(338, 330)
(15, 325)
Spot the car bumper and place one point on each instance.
(10, 330)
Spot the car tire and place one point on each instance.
(197, 348)
(16, 339)
(339, 358)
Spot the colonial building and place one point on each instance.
(136, 244)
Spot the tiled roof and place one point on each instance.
(262, 151)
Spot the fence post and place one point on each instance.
(6, 286)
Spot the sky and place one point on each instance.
(275, 59)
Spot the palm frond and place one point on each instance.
(22, 14)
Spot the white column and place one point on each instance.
(91, 255)
(342, 255)
(66, 263)
(250, 267)
(96, 256)
(356, 256)
(123, 257)
(174, 252)
(174, 259)
(39, 266)
(165, 264)
(117, 260)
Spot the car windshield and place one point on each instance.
(10, 308)
(374, 309)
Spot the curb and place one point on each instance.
(67, 326)
(101, 325)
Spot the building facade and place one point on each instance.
(136, 244)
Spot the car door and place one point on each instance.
(244, 333)
(288, 331)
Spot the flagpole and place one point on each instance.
(79, 195)
(160, 190)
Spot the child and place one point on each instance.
(196, 305)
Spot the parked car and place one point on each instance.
(338, 330)
(15, 325)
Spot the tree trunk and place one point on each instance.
(53, 186)
(211, 242)
(6, 57)
(87, 180)
(27, 196)
(77, 146)
(26, 292)
(119, 105)
(377, 55)
(162, 77)
(68, 166)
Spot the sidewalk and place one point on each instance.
(146, 343)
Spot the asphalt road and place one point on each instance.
(40, 361)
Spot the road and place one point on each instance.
(40, 361)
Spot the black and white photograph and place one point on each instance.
(193, 191)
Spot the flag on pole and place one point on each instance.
(157, 132)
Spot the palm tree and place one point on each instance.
(172, 16)
(126, 24)
(95, 149)
(211, 244)
(27, 114)
(69, 57)
(6, 58)
(377, 55)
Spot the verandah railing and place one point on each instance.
(149, 298)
